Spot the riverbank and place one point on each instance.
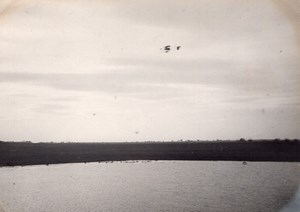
(26, 153)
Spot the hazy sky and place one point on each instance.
(95, 70)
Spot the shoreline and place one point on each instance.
(26, 153)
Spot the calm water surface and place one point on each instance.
(152, 186)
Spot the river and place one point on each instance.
(149, 186)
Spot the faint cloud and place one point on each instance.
(52, 109)
(65, 99)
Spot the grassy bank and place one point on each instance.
(26, 153)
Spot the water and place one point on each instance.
(154, 186)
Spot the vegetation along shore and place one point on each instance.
(27, 153)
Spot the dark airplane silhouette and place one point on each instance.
(167, 48)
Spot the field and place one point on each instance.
(27, 153)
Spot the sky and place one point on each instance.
(96, 70)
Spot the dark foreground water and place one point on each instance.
(150, 186)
